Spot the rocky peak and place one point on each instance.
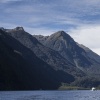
(19, 29)
(61, 33)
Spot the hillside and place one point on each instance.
(30, 62)
(20, 69)
(84, 59)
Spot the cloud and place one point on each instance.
(7, 25)
(60, 12)
(88, 35)
(81, 18)
(6, 1)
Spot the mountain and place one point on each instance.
(90, 53)
(21, 69)
(52, 57)
(85, 60)
(49, 60)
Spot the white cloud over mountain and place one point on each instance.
(79, 18)
(89, 36)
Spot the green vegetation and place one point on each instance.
(72, 88)
(84, 83)
(65, 86)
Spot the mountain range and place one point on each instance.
(31, 62)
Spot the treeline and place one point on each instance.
(86, 82)
(81, 84)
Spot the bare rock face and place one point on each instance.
(48, 55)
(84, 59)
(19, 29)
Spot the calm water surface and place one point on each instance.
(50, 95)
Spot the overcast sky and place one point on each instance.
(79, 18)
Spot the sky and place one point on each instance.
(79, 18)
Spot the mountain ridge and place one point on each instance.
(70, 50)
(54, 59)
(24, 70)
(48, 55)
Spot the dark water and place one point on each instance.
(50, 95)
